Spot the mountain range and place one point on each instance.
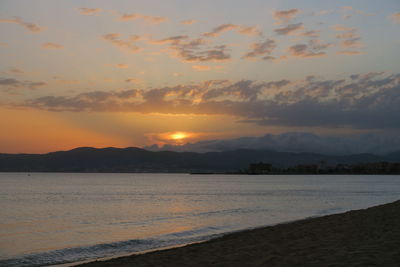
(132, 159)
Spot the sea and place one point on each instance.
(65, 218)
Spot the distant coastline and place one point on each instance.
(241, 161)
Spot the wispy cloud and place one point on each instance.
(133, 80)
(52, 46)
(127, 45)
(11, 84)
(261, 49)
(89, 11)
(63, 81)
(322, 12)
(241, 29)
(348, 12)
(173, 40)
(314, 48)
(304, 51)
(122, 66)
(340, 27)
(349, 36)
(311, 34)
(349, 52)
(220, 29)
(289, 29)
(216, 53)
(193, 50)
(201, 67)
(32, 27)
(16, 71)
(249, 30)
(395, 17)
(285, 16)
(189, 21)
(177, 74)
(146, 18)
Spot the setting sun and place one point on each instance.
(178, 136)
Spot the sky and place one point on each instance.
(125, 73)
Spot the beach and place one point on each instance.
(368, 237)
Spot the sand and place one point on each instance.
(369, 237)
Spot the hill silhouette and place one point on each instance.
(132, 159)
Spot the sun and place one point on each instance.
(178, 136)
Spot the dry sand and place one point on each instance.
(369, 237)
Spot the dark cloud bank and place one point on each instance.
(362, 101)
(297, 142)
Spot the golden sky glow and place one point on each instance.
(124, 73)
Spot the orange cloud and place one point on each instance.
(68, 81)
(312, 34)
(285, 16)
(12, 84)
(127, 45)
(147, 18)
(348, 12)
(349, 52)
(395, 18)
(188, 22)
(220, 29)
(261, 49)
(133, 80)
(249, 30)
(122, 66)
(33, 28)
(193, 49)
(349, 36)
(347, 7)
(340, 27)
(241, 29)
(16, 71)
(173, 40)
(315, 48)
(89, 11)
(201, 68)
(52, 46)
(289, 29)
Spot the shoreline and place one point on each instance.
(359, 237)
(29, 173)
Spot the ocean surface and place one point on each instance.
(55, 218)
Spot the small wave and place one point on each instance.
(198, 214)
(329, 211)
(230, 211)
(76, 254)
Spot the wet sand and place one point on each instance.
(369, 237)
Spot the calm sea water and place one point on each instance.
(53, 218)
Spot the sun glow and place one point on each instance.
(178, 136)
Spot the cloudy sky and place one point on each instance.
(135, 73)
